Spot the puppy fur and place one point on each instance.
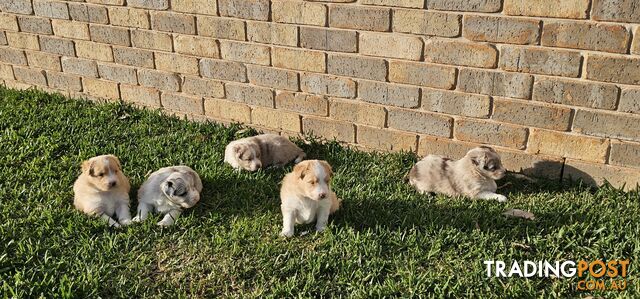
(253, 153)
(473, 176)
(103, 190)
(168, 191)
(306, 196)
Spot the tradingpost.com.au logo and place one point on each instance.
(594, 275)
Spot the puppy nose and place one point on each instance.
(323, 195)
(111, 184)
(169, 184)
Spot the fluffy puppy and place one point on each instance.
(168, 191)
(473, 176)
(259, 151)
(306, 196)
(103, 190)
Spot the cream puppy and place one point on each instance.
(168, 191)
(306, 196)
(103, 190)
(473, 176)
(259, 151)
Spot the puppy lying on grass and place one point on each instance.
(473, 176)
(168, 191)
(306, 196)
(253, 153)
(103, 190)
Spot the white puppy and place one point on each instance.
(259, 151)
(306, 196)
(103, 190)
(168, 191)
(473, 176)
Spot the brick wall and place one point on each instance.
(553, 85)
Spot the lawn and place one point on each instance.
(386, 241)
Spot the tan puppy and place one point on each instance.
(168, 191)
(473, 176)
(103, 190)
(259, 151)
(306, 196)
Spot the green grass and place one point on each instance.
(386, 241)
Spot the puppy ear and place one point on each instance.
(477, 158)
(87, 166)
(327, 168)
(300, 170)
(115, 159)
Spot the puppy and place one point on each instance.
(103, 190)
(306, 196)
(168, 191)
(255, 152)
(473, 176)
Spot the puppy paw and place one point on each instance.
(164, 223)
(500, 198)
(116, 225)
(136, 219)
(125, 222)
(320, 229)
(286, 234)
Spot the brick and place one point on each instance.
(426, 22)
(529, 114)
(8, 22)
(64, 81)
(57, 46)
(357, 112)
(95, 51)
(70, 29)
(482, 131)
(182, 103)
(23, 41)
(3, 38)
(202, 87)
(597, 174)
(51, 9)
(589, 36)
(110, 35)
(465, 5)
(359, 17)
(630, 101)
(160, 80)
(635, 47)
(176, 63)
(17, 6)
(82, 67)
(356, 66)
(328, 39)
(272, 33)
(570, 9)
(567, 145)
(88, 13)
(302, 103)
(133, 57)
(107, 2)
(460, 53)
(101, 88)
(329, 129)
(227, 110)
(397, 3)
(223, 70)
(244, 52)
(395, 46)
(129, 17)
(495, 83)
(456, 103)
(624, 153)
(117, 73)
(140, 95)
(35, 25)
(272, 77)
(173, 22)
(384, 139)
(327, 85)
(150, 4)
(613, 69)
(206, 7)
(297, 59)
(298, 12)
(6, 72)
(419, 122)
(12, 56)
(221, 28)
(541, 61)
(30, 76)
(16, 85)
(501, 30)
(389, 94)
(43, 60)
(607, 124)
(616, 10)
(252, 10)
(197, 46)
(151, 40)
(576, 93)
(275, 119)
(423, 74)
(249, 94)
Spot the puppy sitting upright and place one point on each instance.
(168, 191)
(103, 190)
(473, 176)
(255, 152)
(306, 196)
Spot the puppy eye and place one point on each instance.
(100, 174)
(492, 168)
